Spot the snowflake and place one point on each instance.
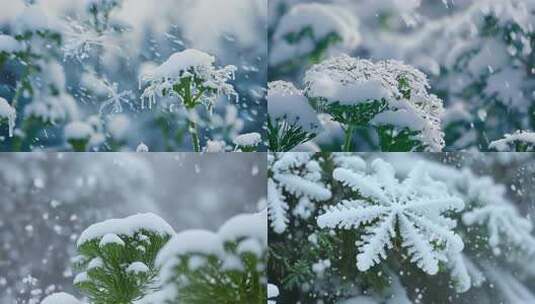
(293, 175)
(81, 39)
(412, 210)
(115, 98)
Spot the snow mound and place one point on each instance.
(126, 226)
(182, 62)
(248, 140)
(191, 242)
(111, 238)
(78, 130)
(60, 298)
(245, 226)
(137, 267)
(287, 103)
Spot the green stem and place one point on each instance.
(348, 137)
(195, 142)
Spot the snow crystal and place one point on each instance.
(126, 226)
(60, 298)
(8, 44)
(9, 113)
(323, 20)
(248, 140)
(78, 130)
(415, 205)
(137, 267)
(287, 103)
(110, 238)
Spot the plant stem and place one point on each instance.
(192, 126)
(348, 137)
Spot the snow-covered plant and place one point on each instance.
(388, 95)
(291, 119)
(483, 61)
(200, 266)
(415, 206)
(404, 229)
(247, 142)
(310, 32)
(296, 176)
(117, 258)
(520, 141)
(191, 77)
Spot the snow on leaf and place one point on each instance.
(297, 176)
(416, 205)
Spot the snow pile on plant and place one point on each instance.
(313, 30)
(199, 266)
(520, 141)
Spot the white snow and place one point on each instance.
(191, 242)
(248, 140)
(273, 292)
(78, 130)
(137, 267)
(81, 278)
(127, 226)
(287, 103)
(245, 226)
(60, 298)
(215, 146)
(9, 44)
(118, 126)
(182, 62)
(142, 148)
(505, 144)
(415, 205)
(95, 263)
(110, 238)
(9, 113)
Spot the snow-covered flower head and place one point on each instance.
(385, 93)
(286, 103)
(190, 76)
(311, 29)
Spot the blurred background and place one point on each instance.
(88, 66)
(48, 199)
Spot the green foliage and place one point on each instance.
(283, 137)
(108, 279)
